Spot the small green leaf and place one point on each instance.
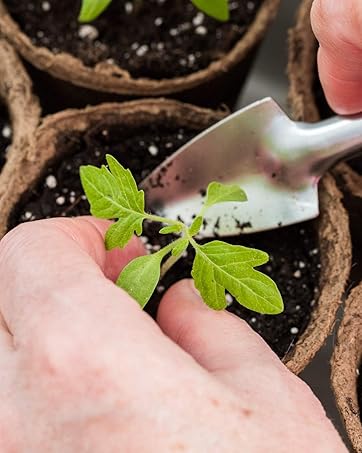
(220, 193)
(120, 233)
(91, 9)
(218, 9)
(171, 229)
(219, 266)
(133, 198)
(180, 247)
(113, 194)
(196, 226)
(102, 192)
(140, 277)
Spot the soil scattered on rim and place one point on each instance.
(5, 134)
(163, 39)
(294, 255)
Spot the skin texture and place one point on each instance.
(337, 25)
(83, 369)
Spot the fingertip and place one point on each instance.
(178, 299)
(343, 89)
(337, 26)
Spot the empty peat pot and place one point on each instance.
(347, 368)
(19, 115)
(154, 49)
(310, 262)
(306, 95)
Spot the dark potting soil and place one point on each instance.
(326, 112)
(294, 256)
(154, 39)
(5, 134)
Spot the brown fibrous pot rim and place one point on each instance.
(302, 47)
(109, 77)
(23, 107)
(334, 240)
(346, 360)
(302, 58)
(347, 355)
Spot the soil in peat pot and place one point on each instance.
(294, 256)
(5, 134)
(164, 39)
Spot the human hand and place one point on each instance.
(337, 25)
(84, 369)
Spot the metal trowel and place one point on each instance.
(278, 162)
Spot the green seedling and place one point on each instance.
(218, 266)
(218, 9)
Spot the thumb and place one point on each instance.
(219, 341)
(338, 27)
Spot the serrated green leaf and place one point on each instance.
(113, 194)
(221, 193)
(171, 229)
(102, 191)
(140, 277)
(91, 9)
(196, 226)
(218, 9)
(133, 198)
(120, 233)
(219, 266)
(180, 247)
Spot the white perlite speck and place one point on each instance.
(250, 6)
(6, 131)
(60, 200)
(153, 150)
(198, 19)
(158, 21)
(297, 274)
(294, 330)
(128, 7)
(229, 298)
(27, 215)
(201, 30)
(51, 182)
(142, 50)
(88, 32)
(45, 6)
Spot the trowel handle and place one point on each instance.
(331, 140)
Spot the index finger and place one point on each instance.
(337, 26)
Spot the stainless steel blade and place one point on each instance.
(278, 162)
(238, 149)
